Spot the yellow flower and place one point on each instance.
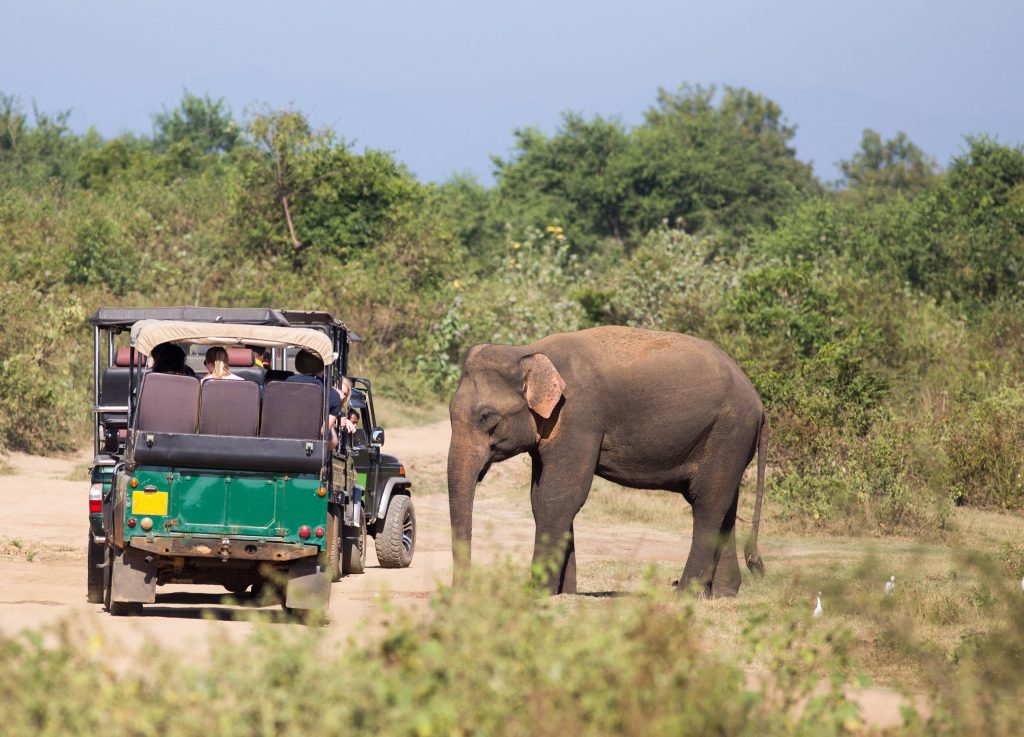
(554, 229)
(456, 284)
(516, 246)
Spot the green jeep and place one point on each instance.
(232, 482)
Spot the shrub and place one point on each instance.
(983, 440)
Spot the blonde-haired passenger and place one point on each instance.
(217, 365)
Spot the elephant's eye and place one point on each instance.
(488, 419)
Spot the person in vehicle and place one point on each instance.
(311, 370)
(349, 416)
(169, 358)
(217, 365)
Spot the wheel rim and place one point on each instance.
(408, 532)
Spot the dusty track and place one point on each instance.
(45, 499)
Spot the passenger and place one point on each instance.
(349, 415)
(259, 356)
(217, 365)
(169, 358)
(311, 371)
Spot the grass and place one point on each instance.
(496, 658)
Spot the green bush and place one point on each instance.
(983, 441)
(492, 660)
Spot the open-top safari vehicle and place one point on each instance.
(233, 482)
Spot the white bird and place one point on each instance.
(1022, 584)
(817, 608)
(890, 585)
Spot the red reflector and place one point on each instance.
(304, 532)
(95, 506)
(319, 531)
(131, 522)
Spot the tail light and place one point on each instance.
(95, 498)
(304, 532)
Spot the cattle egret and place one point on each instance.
(817, 608)
(890, 585)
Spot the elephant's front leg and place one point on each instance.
(558, 491)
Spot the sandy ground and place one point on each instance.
(41, 585)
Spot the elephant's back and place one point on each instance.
(638, 370)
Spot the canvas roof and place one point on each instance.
(124, 317)
(147, 334)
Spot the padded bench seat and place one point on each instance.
(281, 455)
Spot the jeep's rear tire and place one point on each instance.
(353, 547)
(396, 539)
(116, 608)
(95, 584)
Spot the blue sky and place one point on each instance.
(444, 84)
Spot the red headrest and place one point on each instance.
(240, 357)
(123, 358)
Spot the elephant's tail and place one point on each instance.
(750, 552)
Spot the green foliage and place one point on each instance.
(198, 122)
(883, 168)
(39, 389)
(302, 189)
(983, 441)
(632, 667)
(880, 323)
(696, 162)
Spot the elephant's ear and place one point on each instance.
(543, 385)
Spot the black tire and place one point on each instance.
(116, 608)
(95, 584)
(353, 547)
(396, 539)
(334, 543)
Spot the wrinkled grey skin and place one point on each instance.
(645, 409)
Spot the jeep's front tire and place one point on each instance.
(353, 547)
(396, 538)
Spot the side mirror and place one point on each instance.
(377, 436)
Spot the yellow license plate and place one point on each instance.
(149, 502)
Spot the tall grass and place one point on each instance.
(497, 659)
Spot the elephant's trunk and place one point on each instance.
(463, 472)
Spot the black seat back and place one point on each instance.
(229, 408)
(292, 409)
(168, 404)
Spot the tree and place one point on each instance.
(305, 189)
(204, 123)
(573, 178)
(883, 167)
(699, 165)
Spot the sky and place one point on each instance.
(444, 84)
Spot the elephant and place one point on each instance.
(642, 408)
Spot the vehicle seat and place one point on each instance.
(168, 404)
(292, 409)
(229, 408)
(242, 362)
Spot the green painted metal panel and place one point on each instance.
(228, 504)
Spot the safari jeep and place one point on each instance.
(232, 482)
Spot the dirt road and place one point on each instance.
(47, 498)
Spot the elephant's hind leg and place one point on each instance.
(712, 567)
(726, 579)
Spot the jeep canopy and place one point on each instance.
(147, 334)
(124, 317)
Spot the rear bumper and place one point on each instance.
(223, 548)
